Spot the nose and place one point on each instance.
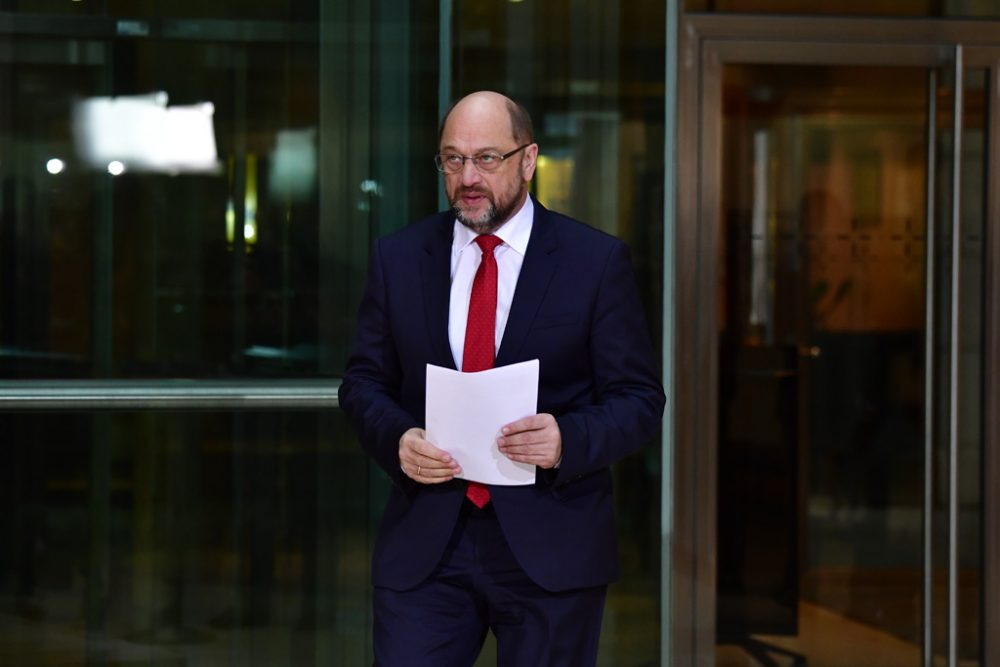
(470, 173)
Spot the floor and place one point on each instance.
(828, 639)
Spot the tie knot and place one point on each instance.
(488, 242)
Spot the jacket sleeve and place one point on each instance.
(628, 397)
(370, 391)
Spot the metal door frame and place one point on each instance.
(705, 43)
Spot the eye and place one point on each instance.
(486, 159)
(453, 160)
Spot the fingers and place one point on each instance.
(532, 423)
(431, 471)
(531, 430)
(536, 440)
(423, 462)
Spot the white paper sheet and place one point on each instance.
(465, 412)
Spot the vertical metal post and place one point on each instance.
(956, 256)
(667, 488)
(444, 73)
(991, 449)
(930, 273)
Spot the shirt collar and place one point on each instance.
(514, 233)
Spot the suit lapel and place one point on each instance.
(435, 270)
(536, 272)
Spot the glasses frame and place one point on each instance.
(440, 164)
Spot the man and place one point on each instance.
(454, 559)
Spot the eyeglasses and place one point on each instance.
(451, 163)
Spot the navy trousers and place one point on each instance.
(478, 587)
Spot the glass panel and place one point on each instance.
(161, 212)
(172, 264)
(201, 538)
(249, 266)
(822, 368)
(969, 390)
(592, 76)
(911, 8)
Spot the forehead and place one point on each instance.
(478, 126)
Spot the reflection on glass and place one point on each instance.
(167, 233)
(822, 366)
(197, 538)
(153, 533)
(145, 134)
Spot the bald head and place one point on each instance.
(488, 106)
(480, 125)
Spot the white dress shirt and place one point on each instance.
(465, 259)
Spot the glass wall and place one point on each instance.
(190, 190)
(820, 387)
(836, 349)
(200, 538)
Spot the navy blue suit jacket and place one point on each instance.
(577, 310)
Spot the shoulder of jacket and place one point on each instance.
(570, 229)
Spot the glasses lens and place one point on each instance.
(449, 164)
(488, 161)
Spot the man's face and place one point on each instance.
(484, 201)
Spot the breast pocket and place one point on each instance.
(549, 321)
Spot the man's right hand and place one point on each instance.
(422, 461)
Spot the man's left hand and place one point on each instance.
(534, 439)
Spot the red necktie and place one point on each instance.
(480, 333)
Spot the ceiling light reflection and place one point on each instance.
(143, 132)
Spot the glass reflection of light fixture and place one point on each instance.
(230, 222)
(553, 180)
(249, 204)
(144, 133)
(761, 286)
(293, 165)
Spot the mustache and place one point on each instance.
(472, 190)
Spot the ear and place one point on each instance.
(528, 162)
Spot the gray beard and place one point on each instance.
(492, 218)
(487, 224)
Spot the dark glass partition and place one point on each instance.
(137, 264)
(190, 191)
(202, 538)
